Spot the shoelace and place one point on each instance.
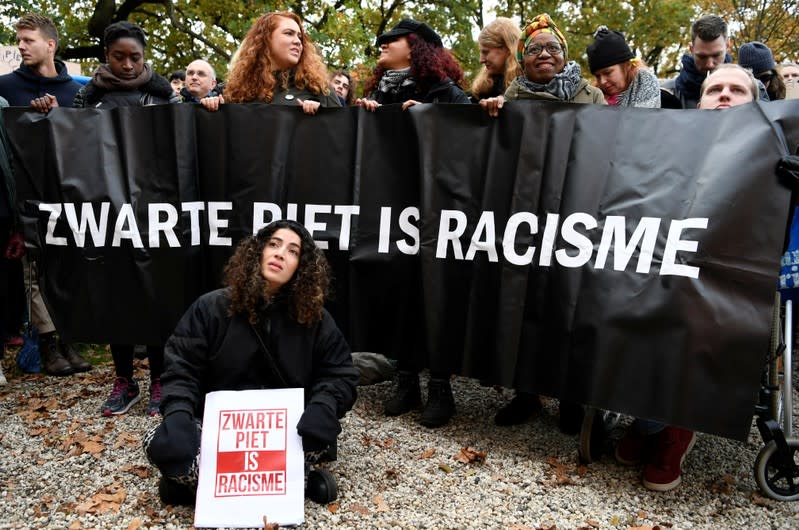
(120, 386)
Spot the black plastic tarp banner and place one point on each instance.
(623, 259)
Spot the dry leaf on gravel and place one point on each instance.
(515, 526)
(333, 507)
(428, 453)
(381, 503)
(467, 455)
(75, 525)
(593, 523)
(127, 439)
(134, 524)
(109, 499)
(140, 470)
(359, 508)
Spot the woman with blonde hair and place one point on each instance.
(623, 78)
(277, 63)
(497, 42)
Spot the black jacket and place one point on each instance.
(157, 91)
(443, 92)
(210, 350)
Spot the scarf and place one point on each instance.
(393, 80)
(106, 79)
(644, 91)
(690, 80)
(563, 86)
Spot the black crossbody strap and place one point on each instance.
(273, 366)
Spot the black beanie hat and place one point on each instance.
(608, 48)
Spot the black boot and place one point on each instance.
(52, 360)
(78, 363)
(521, 408)
(407, 395)
(440, 403)
(321, 486)
(175, 493)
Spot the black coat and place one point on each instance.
(443, 92)
(211, 350)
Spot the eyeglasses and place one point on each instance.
(535, 49)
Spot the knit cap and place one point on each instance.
(757, 57)
(608, 48)
(542, 22)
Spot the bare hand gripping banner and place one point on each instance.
(622, 258)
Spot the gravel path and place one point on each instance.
(63, 466)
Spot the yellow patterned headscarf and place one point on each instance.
(542, 22)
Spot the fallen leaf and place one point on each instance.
(759, 500)
(140, 470)
(359, 508)
(642, 514)
(127, 439)
(428, 453)
(593, 523)
(468, 455)
(515, 526)
(75, 525)
(134, 524)
(381, 503)
(333, 507)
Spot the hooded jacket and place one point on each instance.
(23, 85)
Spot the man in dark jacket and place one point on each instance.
(43, 83)
(200, 82)
(40, 78)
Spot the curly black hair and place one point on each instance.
(306, 291)
(123, 29)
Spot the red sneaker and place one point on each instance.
(664, 469)
(634, 447)
(14, 341)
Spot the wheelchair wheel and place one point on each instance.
(777, 478)
(597, 423)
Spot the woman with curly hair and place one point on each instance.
(413, 68)
(266, 329)
(497, 42)
(277, 63)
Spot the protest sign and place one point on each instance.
(251, 459)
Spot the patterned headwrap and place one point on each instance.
(542, 22)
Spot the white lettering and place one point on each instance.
(485, 227)
(570, 235)
(674, 244)
(346, 212)
(167, 226)
(126, 217)
(409, 228)
(55, 213)
(614, 234)
(446, 234)
(311, 223)
(215, 223)
(258, 211)
(194, 209)
(509, 238)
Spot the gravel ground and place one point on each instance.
(64, 466)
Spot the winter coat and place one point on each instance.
(156, 91)
(7, 190)
(211, 350)
(290, 95)
(445, 91)
(585, 93)
(23, 85)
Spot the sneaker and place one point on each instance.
(440, 404)
(631, 448)
(521, 408)
(124, 395)
(153, 407)
(407, 395)
(664, 469)
(15, 341)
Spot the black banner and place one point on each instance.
(622, 258)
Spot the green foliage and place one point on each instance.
(180, 31)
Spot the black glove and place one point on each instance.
(175, 444)
(318, 426)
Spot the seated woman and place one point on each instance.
(277, 63)
(413, 67)
(548, 74)
(276, 283)
(623, 79)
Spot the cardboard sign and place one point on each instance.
(251, 459)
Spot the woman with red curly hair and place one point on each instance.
(277, 63)
(267, 329)
(413, 68)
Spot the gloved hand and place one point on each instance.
(318, 426)
(15, 248)
(175, 444)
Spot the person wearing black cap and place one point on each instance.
(413, 67)
(757, 57)
(267, 328)
(619, 74)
